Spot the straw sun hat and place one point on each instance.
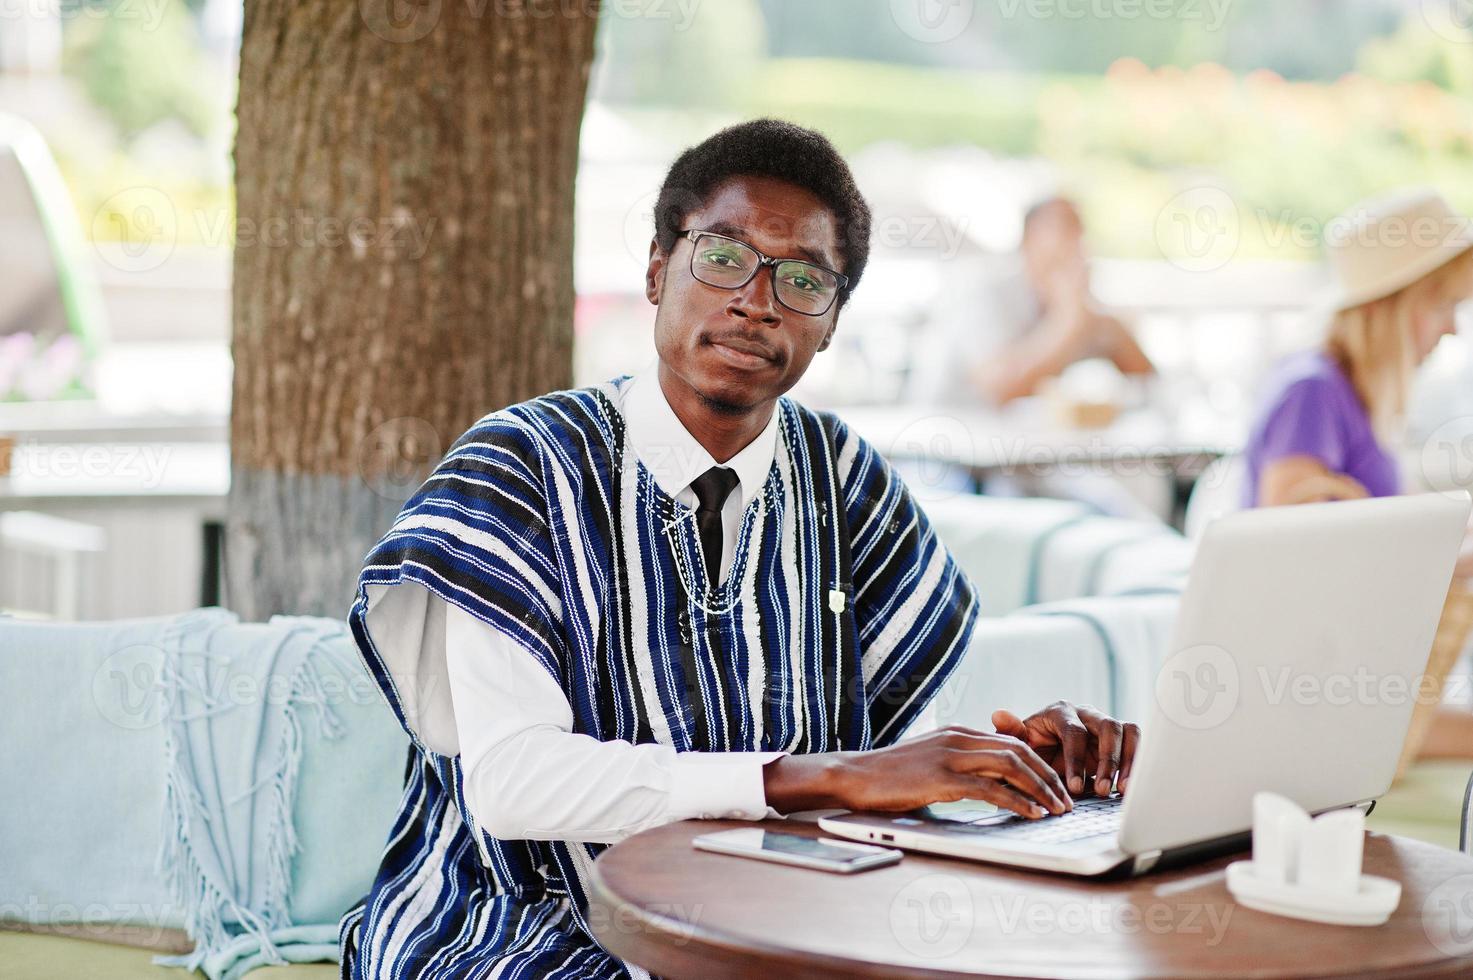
(1388, 242)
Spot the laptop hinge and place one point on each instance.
(1145, 862)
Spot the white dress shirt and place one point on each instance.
(527, 775)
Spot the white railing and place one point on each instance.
(44, 564)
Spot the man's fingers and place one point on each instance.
(982, 788)
(1109, 736)
(1127, 752)
(1022, 769)
(1074, 738)
(1013, 768)
(1046, 774)
(1020, 747)
(1009, 724)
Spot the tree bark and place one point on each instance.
(403, 262)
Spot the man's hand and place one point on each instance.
(949, 764)
(1078, 742)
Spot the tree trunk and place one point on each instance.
(403, 262)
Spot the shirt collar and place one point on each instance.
(673, 456)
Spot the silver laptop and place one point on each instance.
(1294, 667)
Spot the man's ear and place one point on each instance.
(828, 337)
(654, 273)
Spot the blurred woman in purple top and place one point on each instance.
(1333, 415)
(1402, 264)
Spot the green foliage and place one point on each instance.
(1415, 54)
(1291, 155)
(857, 103)
(140, 64)
(677, 54)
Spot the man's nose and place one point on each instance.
(755, 300)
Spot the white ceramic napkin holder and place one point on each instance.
(1310, 868)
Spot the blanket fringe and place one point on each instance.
(207, 905)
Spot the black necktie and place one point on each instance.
(712, 488)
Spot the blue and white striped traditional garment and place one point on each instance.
(543, 523)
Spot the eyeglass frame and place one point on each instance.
(762, 260)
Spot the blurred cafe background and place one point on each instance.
(1204, 147)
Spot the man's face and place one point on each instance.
(738, 348)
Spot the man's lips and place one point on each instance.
(742, 352)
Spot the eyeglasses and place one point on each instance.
(729, 263)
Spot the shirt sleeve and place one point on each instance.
(1304, 423)
(529, 776)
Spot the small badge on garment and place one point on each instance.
(837, 599)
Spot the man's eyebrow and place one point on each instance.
(736, 231)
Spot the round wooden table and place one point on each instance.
(681, 913)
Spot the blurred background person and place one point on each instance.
(1334, 414)
(1031, 321)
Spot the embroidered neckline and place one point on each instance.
(677, 519)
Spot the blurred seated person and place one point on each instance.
(1031, 323)
(1333, 415)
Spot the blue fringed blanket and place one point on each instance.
(240, 702)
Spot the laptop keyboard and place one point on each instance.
(1091, 817)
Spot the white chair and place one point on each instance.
(1218, 491)
(43, 560)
